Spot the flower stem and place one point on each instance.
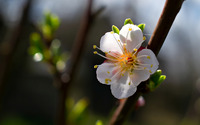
(170, 10)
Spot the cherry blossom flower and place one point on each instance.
(126, 66)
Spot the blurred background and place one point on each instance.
(29, 97)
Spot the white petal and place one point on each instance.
(139, 76)
(123, 87)
(132, 38)
(109, 42)
(151, 59)
(105, 73)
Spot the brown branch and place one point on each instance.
(68, 74)
(12, 44)
(171, 9)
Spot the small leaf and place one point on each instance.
(141, 26)
(115, 29)
(128, 21)
(99, 122)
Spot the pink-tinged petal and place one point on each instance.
(132, 36)
(146, 56)
(106, 73)
(109, 42)
(123, 87)
(139, 76)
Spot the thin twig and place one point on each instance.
(12, 45)
(171, 9)
(68, 74)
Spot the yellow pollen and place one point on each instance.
(108, 72)
(135, 50)
(118, 40)
(95, 66)
(148, 57)
(131, 73)
(129, 83)
(130, 29)
(144, 38)
(151, 65)
(122, 74)
(107, 81)
(95, 52)
(112, 32)
(150, 71)
(145, 68)
(94, 46)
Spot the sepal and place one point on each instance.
(128, 21)
(115, 29)
(141, 26)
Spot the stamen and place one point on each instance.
(127, 36)
(119, 43)
(139, 44)
(95, 52)
(142, 56)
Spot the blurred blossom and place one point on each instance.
(37, 57)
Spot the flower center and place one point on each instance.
(127, 61)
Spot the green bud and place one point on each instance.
(46, 30)
(155, 80)
(115, 29)
(141, 26)
(36, 45)
(55, 22)
(161, 79)
(128, 21)
(99, 122)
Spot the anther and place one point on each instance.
(148, 57)
(107, 81)
(151, 65)
(112, 32)
(135, 50)
(95, 52)
(94, 46)
(150, 71)
(130, 29)
(95, 66)
(144, 38)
